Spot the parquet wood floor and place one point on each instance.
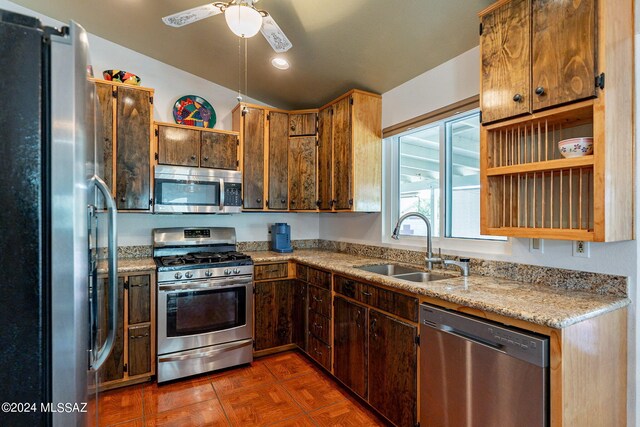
(284, 390)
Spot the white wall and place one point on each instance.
(170, 83)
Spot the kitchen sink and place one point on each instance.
(388, 269)
(421, 276)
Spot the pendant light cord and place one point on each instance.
(246, 87)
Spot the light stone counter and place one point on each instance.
(129, 265)
(543, 305)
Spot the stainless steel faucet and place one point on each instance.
(429, 259)
(463, 265)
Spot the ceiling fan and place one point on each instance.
(243, 19)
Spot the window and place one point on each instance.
(439, 177)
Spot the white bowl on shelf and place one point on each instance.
(576, 147)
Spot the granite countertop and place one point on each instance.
(539, 304)
(129, 265)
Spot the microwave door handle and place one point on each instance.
(105, 350)
(221, 194)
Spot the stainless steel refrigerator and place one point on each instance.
(52, 341)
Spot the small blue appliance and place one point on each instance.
(281, 237)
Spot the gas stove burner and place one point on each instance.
(173, 261)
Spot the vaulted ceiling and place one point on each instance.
(338, 45)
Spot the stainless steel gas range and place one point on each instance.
(205, 301)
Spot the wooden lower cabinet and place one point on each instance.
(350, 345)
(300, 302)
(279, 318)
(392, 370)
(135, 361)
(139, 350)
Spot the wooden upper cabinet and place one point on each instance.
(302, 173)
(324, 158)
(302, 124)
(219, 150)
(278, 170)
(252, 138)
(178, 146)
(505, 61)
(563, 51)
(104, 133)
(124, 137)
(342, 154)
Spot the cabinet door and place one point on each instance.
(302, 124)
(564, 52)
(139, 298)
(113, 368)
(178, 146)
(278, 170)
(104, 134)
(302, 173)
(342, 154)
(273, 313)
(133, 173)
(350, 345)
(139, 350)
(505, 61)
(299, 313)
(324, 158)
(392, 374)
(218, 150)
(253, 158)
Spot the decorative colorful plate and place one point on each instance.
(192, 110)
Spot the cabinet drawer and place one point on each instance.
(320, 351)
(319, 326)
(139, 350)
(355, 289)
(393, 302)
(139, 298)
(396, 303)
(320, 301)
(302, 272)
(271, 271)
(319, 278)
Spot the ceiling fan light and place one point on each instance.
(243, 20)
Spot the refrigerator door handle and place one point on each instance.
(105, 350)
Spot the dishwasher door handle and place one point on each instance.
(477, 340)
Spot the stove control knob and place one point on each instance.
(178, 276)
(208, 273)
(227, 272)
(236, 271)
(188, 275)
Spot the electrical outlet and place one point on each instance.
(536, 246)
(581, 249)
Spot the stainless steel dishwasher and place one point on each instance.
(478, 373)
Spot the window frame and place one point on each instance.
(392, 152)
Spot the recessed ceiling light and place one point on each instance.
(280, 63)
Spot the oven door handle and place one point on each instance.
(221, 349)
(221, 194)
(201, 286)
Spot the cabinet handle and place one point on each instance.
(293, 127)
(123, 199)
(293, 202)
(258, 200)
(358, 313)
(283, 200)
(193, 157)
(350, 201)
(316, 351)
(205, 159)
(315, 325)
(540, 90)
(517, 97)
(365, 293)
(135, 337)
(316, 299)
(136, 286)
(373, 327)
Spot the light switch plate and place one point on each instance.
(536, 246)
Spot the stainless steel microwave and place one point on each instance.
(181, 189)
